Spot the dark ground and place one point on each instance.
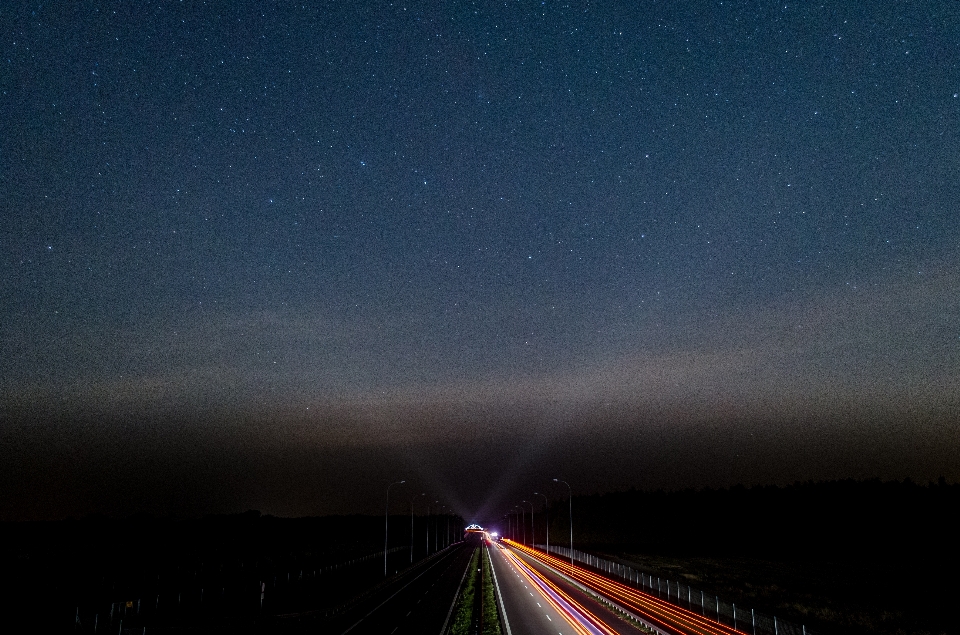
(207, 573)
(840, 557)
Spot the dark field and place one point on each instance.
(839, 557)
(205, 574)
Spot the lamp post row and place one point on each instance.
(570, 491)
(386, 522)
(546, 504)
(386, 526)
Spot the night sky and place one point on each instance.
(258, 255)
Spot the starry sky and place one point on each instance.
(274, 256)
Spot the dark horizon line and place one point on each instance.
(254, 514)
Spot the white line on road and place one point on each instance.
(452, 604)
(503, 610)
(394, 595)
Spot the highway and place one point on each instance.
(539, 594)
(416, 601)
(656, 613)
(538, 602)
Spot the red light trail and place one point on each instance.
(580, 619)
(651, 608)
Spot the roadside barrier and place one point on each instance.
(711, 606)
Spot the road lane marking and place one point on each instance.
(420, 575)
(649, 607)
(503, 609)
(443, 630)
(577, 616)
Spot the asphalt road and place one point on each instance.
(536, 601)
(416, 601)
(666, 617)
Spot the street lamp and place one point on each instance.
(436, 533)
(523, 525)
(533, 527)
(556, 480)
(386, 524)
(428, 528)
(411, 527)
(546, 511)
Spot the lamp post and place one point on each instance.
(436, 531)
(546, 511)
(533, 527)
(523, 522)
(570, 491)
(411, 527)
(523, 525)
(386, 525)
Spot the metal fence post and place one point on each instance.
(753, 621)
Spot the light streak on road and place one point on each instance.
(647, 606)
(581, 620)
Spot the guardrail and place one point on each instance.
(197, 596)
(742, 619)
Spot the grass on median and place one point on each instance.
(463, 612)
(491, 620)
